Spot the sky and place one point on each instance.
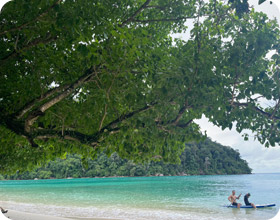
(259, 158)
(2, 3)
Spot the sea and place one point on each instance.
(139, 198)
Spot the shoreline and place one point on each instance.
(19, 215)
(160, 175)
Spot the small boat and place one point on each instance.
(250, 207)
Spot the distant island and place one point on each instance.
(204, 158)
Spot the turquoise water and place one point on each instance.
(186, 197)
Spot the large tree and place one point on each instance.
(93, 76)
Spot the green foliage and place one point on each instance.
(221, 160)
(85, 77)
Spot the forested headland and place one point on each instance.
(204, 158)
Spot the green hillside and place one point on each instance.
(203, 158)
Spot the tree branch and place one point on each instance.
(180, 114)
(128, 115)
(271, 116)
(43, 97)
(186, 124)
(33, 116)
(235, 84)
(93, 139)
(37, 18)
(136, 13)
(17, 128)
(31, 141)
(31, 44)
(106, 105)
(157, 7)
(164, 19)
(275, 109)
(68, 135)
(103, 118)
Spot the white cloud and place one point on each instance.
(2, 3)
(272, 10)
(277, 3)
(260, 159)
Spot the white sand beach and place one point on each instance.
(16, 215)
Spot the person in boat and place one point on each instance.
(246, 197)
(3, 210)
(232, 198)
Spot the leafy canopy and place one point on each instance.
(105, 76)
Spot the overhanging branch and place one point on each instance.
(128, 115)
(186, 124)
(131, 18)
(30, 22)
(180, 114)
(164, 19)
(271, 116)
(94, 139)
(33, 116)
(30, 45)
(43, 97)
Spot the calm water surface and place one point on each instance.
(188, 197)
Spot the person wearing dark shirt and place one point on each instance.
(246, 197)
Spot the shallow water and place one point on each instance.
(187, 197)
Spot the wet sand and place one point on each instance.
(16, 215)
